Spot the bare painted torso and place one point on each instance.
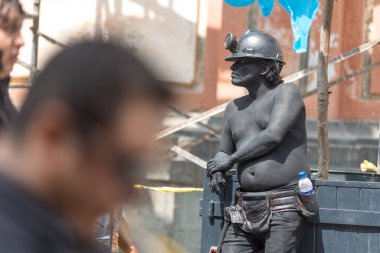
(280, 166)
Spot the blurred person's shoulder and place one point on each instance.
(14, 233)
(26, 226)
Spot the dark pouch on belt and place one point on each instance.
(256, 213)
(307, 204)
(233, 214)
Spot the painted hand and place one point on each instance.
(217, 179)
(222, 162)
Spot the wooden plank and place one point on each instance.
(348, 184)
(346, 236)
(369, 237)
(189, 156)
(191, 121)
(325, 239)
(346, 239)
(346, 77)
(348, 198)
(346, 55)
(325, 233)
(368, 240)
(326, 196)
(370, 200)
(307, 244)
(347, 217)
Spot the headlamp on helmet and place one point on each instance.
(230, 43)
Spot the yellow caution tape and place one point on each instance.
(366, 166)
(168, 189)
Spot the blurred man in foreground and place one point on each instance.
(88, 119)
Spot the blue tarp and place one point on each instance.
(239, 3)
(266, 6)
(302, 14)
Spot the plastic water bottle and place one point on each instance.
(305, 185)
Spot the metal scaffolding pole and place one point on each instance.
(35, 28)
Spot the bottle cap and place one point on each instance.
(302, 175)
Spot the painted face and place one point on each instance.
(245, 71)
(10, 44)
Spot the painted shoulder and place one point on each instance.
(232, 105)
(290, 89)
(229, 108)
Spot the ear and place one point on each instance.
(50, 122)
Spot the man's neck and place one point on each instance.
(259, 89)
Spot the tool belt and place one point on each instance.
(253, 210)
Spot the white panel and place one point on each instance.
(164, 32)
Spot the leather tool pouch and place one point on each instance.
(307, 204)
(233, 214)
(255, 211)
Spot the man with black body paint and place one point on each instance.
(265, 135)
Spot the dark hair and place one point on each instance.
(11, 15)
(92, 78)
(273, 70)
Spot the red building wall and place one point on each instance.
(347, 32)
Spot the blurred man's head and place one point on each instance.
(89, 118)
(11, 18)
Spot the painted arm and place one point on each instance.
(227, 145)
(222, 159)
(287, 107)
